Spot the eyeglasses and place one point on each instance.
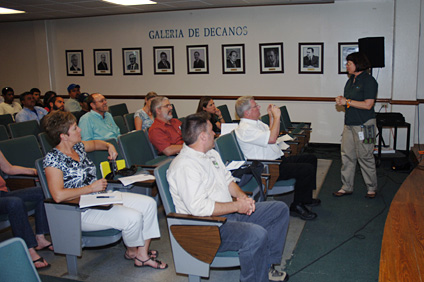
(166, 106)
(255, 106)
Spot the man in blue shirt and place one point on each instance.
(98, 124)
(30, 111)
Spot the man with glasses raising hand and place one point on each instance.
(165, 132)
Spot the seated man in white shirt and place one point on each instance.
(200, 185)
(9, 106)
(258, 141)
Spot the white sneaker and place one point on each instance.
(275, 275)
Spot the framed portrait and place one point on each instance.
(102, 61)
(233, 59)
(74, 62)
(131, 59)
(311, 58)
(345, 48)
(271, 59)
(197, 59)
(163, 59)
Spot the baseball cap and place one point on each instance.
(72, 86)
(83, 97)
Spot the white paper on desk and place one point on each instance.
(135, 178)
(235, 165)
(283, 145)
(228, 127)
(99, 199)
(285, 137)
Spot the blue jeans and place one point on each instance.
(12, 203)
(258, 238)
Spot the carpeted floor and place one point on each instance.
(344, 243)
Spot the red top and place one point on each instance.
(162, 135)
(3, 185)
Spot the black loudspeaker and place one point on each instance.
(373, 48)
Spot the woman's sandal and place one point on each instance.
(41, 260)
(370, 195)
(150, 253)
(341, 194)
(46, 247)
(158, 264)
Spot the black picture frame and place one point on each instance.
(313, 64)
(233, 59)
(102, 61)
(132, 61)
(345, 48)
(271, 58)
(74, 62)
(201, 65)
(163, 65)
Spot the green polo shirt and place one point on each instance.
(365, 87)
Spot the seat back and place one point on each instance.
(285, 118)
(19, 129)
(118, 109)
(22, 151)
(135, 148)
(163, 187)
(45, 142)
(152, 148)
(16, 263)
(4, 135)
(174, 112)
(119, 120)
(265, 119)
(100, 156)
(129, 120)
(225, 113)
(228, 148)
(42, 177)
(6, 119)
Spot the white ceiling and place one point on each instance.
(60, 9)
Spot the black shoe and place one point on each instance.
(313, 203)
(302, 211)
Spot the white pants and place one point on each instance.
(136, 218)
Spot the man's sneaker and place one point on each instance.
(275, 275)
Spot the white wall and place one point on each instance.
(343, 21)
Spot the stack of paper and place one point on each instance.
(100, 199)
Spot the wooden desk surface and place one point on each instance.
(402, 249)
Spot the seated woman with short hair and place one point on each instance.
(70, 174)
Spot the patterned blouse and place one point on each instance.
(75, 174)
(146, 120)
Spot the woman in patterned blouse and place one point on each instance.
(70, 174)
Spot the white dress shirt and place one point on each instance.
(197, 180)
(253, 137)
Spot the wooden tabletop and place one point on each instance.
(402, 249)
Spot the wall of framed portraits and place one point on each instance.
(270, 51)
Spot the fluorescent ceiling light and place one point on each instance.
(5, 11)
(131, 2)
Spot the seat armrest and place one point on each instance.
(217, 219)
(265, 161)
